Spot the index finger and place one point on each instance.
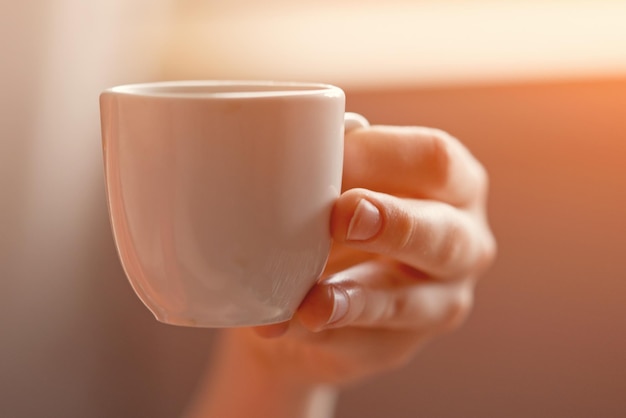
(415, 162)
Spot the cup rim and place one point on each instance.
(225, 89)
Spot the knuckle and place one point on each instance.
(445, 149)
(450, 244)
(440, 157)
(397, 307)
(406, 227)
(487, 253)
(458, 309)
(482, 175)
(481, 180)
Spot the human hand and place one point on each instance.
(411, 239)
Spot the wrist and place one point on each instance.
(243, 381)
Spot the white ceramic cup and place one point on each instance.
(220, 194)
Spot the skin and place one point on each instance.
(411, 239)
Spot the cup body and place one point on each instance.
(220, 194)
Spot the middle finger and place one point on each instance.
(433, 237)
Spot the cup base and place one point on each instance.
(227, 323)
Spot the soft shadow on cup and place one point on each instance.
(220, 194)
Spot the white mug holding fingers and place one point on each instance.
(411, 239)
(220, 194)
(405, 208)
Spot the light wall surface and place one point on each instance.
(398, 42)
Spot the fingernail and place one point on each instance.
(365, 222)
(340, 305)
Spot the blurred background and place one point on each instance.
(535, 89)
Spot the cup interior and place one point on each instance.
(223, 89)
